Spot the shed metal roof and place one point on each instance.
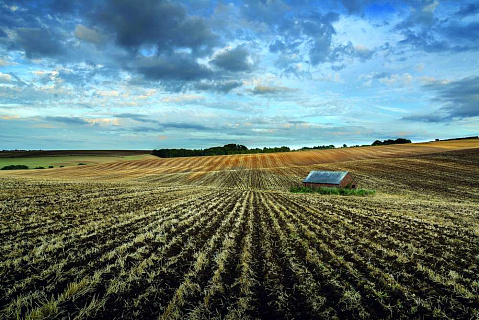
(329, 177)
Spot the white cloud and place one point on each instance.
(5, 78)
(404, 79)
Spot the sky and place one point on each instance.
(145, 74)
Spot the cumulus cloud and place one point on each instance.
(404, 79)
(260, 89)
(102, 121)
(235, 60)
(423, 17)
(89, 35)
(107, 93)
(5, 78)
(219, 86)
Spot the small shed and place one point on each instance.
(338, 179)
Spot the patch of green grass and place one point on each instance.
(336, 191)
(67, 161)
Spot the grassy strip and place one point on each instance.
(334, 190)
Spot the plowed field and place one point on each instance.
(179, 239)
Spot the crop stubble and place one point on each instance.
(221, 245)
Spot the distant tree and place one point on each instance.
(390, 141)
(345, 146)
(15, 167)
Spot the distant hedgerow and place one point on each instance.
(336, 191)
(15, 167)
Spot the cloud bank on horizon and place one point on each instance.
(143, 74)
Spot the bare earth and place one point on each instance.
(222, 237)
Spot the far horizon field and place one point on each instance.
(70, 160)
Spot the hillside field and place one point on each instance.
(222, 237)
(68, 158)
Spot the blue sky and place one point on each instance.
(146, 74)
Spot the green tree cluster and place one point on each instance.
(215, 151)
(390, 141)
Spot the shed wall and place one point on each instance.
(348, 179)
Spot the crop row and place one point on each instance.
(148, 252)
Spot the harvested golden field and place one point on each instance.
(221, 237)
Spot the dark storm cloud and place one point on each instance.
(235, 60)
(433, 118)
(135, 116)
(67, 120)
(358, 6)
(182, 125)
(269, 90)
(355, 6)
(423, 31)
(161, 23)
(270, 12)
(320, 30)
(143, 129)
(180, 67)
(460, 99)
(38, 43)
(218, 86)
(160, 125)
(174, 125)
(468, 10)
(457, 39)
(295, 24)
(421, 17)
(466, 32)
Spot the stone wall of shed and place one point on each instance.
(348, 179)
(320, 185)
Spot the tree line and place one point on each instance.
(390, 141)
(215, 151)
(233, 148)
